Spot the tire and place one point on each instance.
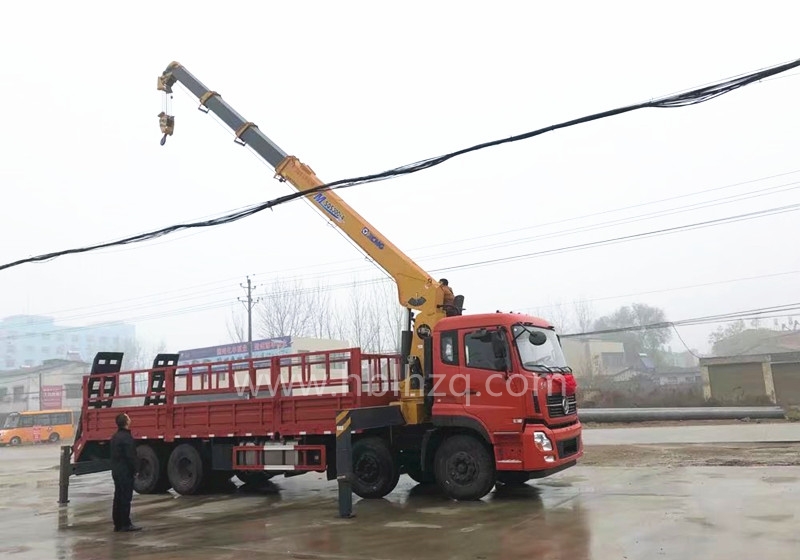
(375, 470)
(186, 470)
(15, 440)
(54, 437)
(465, 468)
(513, 478)
(152, 477)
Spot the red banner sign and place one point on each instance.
(52, 397)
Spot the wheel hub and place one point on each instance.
(366, 468)
(463, 468)
(183, 468)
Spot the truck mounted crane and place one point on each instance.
(470, 401)
(418, 292)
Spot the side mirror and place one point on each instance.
(537, 338)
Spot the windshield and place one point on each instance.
(546, 356)
(11, 421)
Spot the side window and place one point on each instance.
(480, 354)
(26, 421)
(449, 348)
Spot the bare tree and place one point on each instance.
(584, 315)
(290, 309)
(236, 328)
(137, 355)
(556, 314)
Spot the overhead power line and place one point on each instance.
(684, 99)
(207, 305)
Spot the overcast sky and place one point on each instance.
(354, 88)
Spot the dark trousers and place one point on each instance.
(123, 494)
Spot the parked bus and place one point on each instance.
(38, 426)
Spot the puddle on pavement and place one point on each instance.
(775, 518)
(779, 479)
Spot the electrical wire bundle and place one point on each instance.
(690, 97)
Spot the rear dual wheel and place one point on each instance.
(152, 477)
(186, 470)
(375, 468)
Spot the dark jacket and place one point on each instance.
(124, 460)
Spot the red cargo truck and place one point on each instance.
(500, 402)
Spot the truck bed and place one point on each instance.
(288, 395)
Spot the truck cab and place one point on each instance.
(499, 393)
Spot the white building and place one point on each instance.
(54, 384)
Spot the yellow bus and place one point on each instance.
(38, 426)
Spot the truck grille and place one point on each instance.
(555, 405)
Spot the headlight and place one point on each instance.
(542, 442)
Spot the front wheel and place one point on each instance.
(375, 470)
(465, 468)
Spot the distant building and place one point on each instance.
(30, 340)
(54, 384)
(592, 357)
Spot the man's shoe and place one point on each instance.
(130, 529)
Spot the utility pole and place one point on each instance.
(249, 303)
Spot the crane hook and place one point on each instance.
(167, 124)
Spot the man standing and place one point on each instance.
(449, 298)
(124, 466)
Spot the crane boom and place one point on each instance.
(416, 289)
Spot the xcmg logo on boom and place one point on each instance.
(328, 207)
(368, 234)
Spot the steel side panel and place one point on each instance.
(287, 415)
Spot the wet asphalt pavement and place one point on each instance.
(585, 512)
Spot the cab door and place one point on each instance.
(488, 392)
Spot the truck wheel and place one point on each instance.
(464, 468)
(15, 440)
(375, 471)
(152, 477)
(186, 470)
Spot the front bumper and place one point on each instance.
(539, 449)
